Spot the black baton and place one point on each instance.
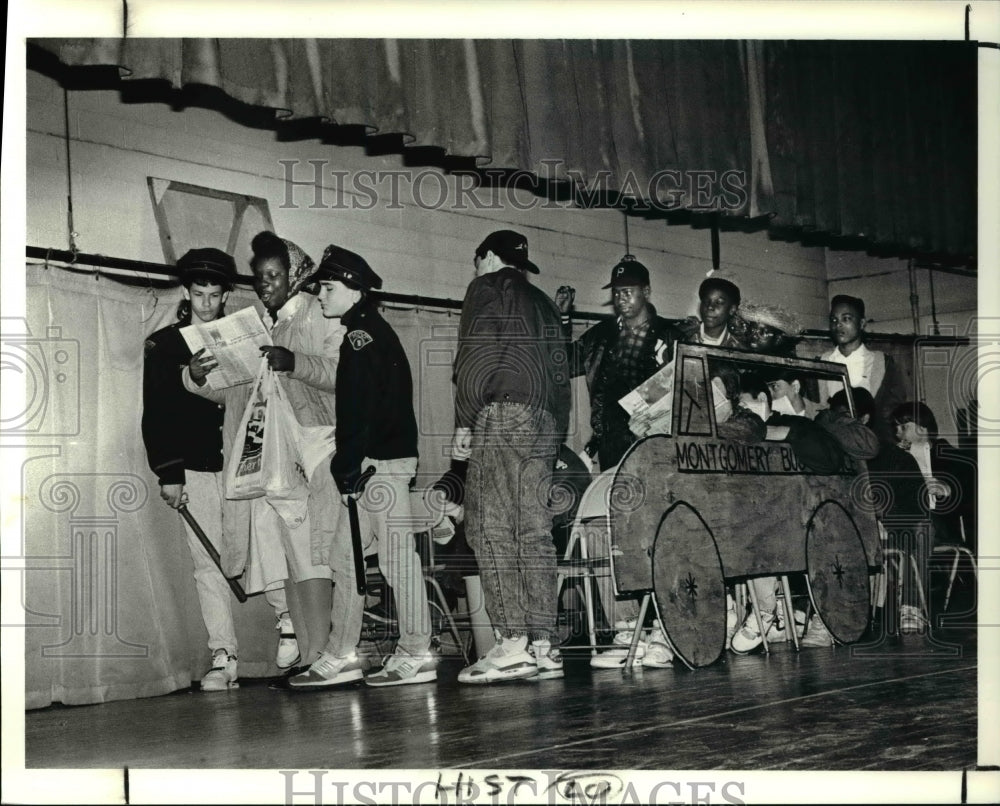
(234, 586)
(352, 514)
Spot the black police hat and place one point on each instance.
(350, 268)
(208, 262)
(628, 271)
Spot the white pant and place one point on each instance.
(205, 493)
(385, 516)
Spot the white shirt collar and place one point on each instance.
(290, 308)
(857, 357)
(713, 342)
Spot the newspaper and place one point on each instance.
(235, 341)
(650, 404)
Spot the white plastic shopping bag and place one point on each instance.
(245, 476)
(292, 453)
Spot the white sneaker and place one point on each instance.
(222, 676)
(658, 654)
(911, 619)
(816, 633)
(732, 621)
(402, 668)
(749, 637)
(288, 646)
(614, 658)
(509, 659)
(548, 660)
(328, 670)
(800, 622)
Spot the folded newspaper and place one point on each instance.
(650, 404)
(235, 341)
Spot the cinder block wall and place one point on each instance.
(418, 249)
(419, 246)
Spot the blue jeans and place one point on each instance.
(508, 521)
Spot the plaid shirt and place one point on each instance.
(627, 355)
(616, 359)
(621, 372)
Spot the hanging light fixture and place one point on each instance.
(628, 252)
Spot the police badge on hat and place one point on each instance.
(359, 339)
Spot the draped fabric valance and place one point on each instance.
(859, 144)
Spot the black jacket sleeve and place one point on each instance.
(356, 374)
(161, 385)
(813, 446)
(478, 331)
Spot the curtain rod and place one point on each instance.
(170, 272)
(417, 301)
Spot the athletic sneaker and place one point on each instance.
(402, 668)
(658, 654)
(548, 660)
(732, 620)
(288, 645)
(749, 637)
(816, 633)
(329, 670)
(800, 623)
(614, 658)
(777, 632)
(509, 659)
(911, 619)
(222, 676)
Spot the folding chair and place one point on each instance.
(590, 527)
(957, 550)
(424, 521)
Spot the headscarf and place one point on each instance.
(300, 267)
(763, 313)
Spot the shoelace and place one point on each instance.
(220, 660)
(405, 666)
(328, 663)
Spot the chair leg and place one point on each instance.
(756, 612)
(439, 594)
(634, 646)
(588, 598)
(921, 598)
(951, 581)
(786, 595)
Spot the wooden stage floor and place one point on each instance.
(909, 703)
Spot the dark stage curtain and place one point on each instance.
(856, 144)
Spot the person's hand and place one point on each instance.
(461, 444)
(201, 363)
(938, 488)
(173, 494)
(278, 358)
(345, 497)
(565, 295)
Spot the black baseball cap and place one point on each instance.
(208, 262)
(511, 247)
(628, 272)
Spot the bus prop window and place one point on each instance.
(694, 399)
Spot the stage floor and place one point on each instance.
(907, 703)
